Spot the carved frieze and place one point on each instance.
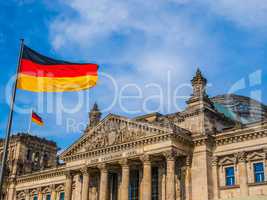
(112, 133)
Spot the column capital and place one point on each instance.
(124, 162)
(170, 154)
(146, 159)
(241, 156)
(12, 180)
(265, 152)
(68, 174)
(188, 160)
(27, 191)
(84, 170)
(39, 190)
(102, 167)
(214, 160)
(53, 187)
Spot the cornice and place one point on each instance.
(186, 139)
(200, 140)
(242, 134)
(85, 139)
(42, 175)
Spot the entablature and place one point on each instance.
(115, 134)
(249, 132)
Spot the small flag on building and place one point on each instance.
(37, 119)
(38, 73)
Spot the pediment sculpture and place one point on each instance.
(112, 133)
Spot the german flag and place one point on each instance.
(37, 119)
(39, 73)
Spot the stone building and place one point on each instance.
(201, 153)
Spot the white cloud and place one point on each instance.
(154, 36)
(245, 13)
(158, 37)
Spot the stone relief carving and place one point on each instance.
(114, 132)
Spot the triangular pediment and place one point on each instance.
(255, 156)
(227, 160)
(113, 130)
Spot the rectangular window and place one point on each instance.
(61, 196)
(230, 176)
(258, 172)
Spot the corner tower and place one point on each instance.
(199, 96)
(200, 116)
(94, 116)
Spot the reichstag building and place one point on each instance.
(214, 149)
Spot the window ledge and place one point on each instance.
(229, 187)
(256, 184)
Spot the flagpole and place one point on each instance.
(30, 122)
(9, 123)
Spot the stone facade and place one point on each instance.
(196, 154)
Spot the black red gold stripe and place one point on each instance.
(53, 84)
(36, 119)
(60, 70)
(39, 73)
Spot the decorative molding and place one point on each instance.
(146, 159)
(215, 161)
(102, 167)
(188, 160)
(243, 134)
(256, 155)
(124, 162)
(241, 156)
(227, 160)
(84, 170)
(68, 174)
(41, 175)
(115, 132)
(129, 145)
(201, 140)
(170, 154)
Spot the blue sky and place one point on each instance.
(151, 50)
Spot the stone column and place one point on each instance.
(265, 161)
(53, 192)
(119, 186)
(215, 178)
(160, 181)
(162, 185)
(188, 186)
(78, 187)
(243, 177)
(124, 189)
(147, 179)
(141, 181)
(103, 194)
(11, 193)
(85, 184)
(68, 186)
(170, 183)
(40, 194)
(27, 194)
